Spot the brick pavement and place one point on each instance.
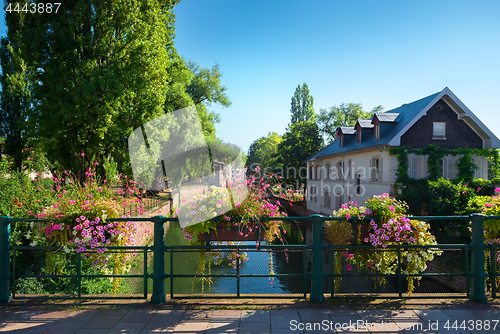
(248, 321)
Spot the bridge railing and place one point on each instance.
(474, 272)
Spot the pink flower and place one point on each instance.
(348, 267)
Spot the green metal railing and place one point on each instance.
(399, 275)
(149, 204)
(474, 272)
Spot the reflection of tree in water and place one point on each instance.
(291, 261)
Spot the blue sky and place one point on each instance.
(369, 52)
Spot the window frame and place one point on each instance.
(340, 170)
(357, 184)
(377, 169)
(327, 203)
(436, 134)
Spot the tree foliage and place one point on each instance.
(16, 96)
(347, 114)
(264, 151)
(100, 71)
(84, 78)
(204, 89)
(302, 105)
(299, 143)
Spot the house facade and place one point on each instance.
(358, 164)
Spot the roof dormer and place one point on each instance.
(344, 134)
(382, 122)
(362, 124)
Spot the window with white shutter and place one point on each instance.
(375, 170)
(326, 197)
(357, 184)
(413, 167)
(451, 168)
(479, 163)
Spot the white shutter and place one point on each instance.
(450, 168)
(370, 170)
(380, 170)
(414, 167)
(479, 172)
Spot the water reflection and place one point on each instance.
(260, 262)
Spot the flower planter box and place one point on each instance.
(231, 234)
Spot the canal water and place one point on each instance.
(260, 263)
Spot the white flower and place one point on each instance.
(32, 244)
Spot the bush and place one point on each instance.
(446, 198)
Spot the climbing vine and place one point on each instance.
(465, 165)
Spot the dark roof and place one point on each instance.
(365, 123)
(405, 114)
(387, 116)
(347, 130)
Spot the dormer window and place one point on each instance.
(341, 140)
(439, 130)
(377, 131)
(359, 136)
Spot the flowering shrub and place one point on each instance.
(77, 222)
(491, 207)
(207, 212)
(391, 228)
(252, 207)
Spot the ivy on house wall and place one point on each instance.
(465, 165)
(436, 196)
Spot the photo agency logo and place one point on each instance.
(210, 178)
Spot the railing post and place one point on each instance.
(159, 296)
(5, 295)
(478, 274)
(317, 260)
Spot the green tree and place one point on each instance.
(300, 142)
(103, 68)
(347, 114)
(16, 97)
(263, 152)
(302, 105)
(204, 89)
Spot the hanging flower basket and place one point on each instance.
(389, 227)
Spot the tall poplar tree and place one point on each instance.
(16, 95)
(302, 105)
(103, 68)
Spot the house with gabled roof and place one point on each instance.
(358, 164)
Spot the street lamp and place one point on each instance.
(2, 139)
